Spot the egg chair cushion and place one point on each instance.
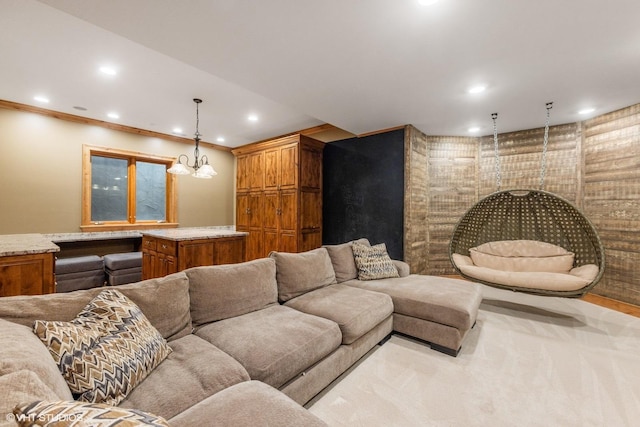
(522, 256)
(577, 278)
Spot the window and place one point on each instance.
(123, 189)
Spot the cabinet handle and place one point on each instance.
(164, 246)
(248, 211)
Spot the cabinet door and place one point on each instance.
(242, 173)
(171, 265)
(255, 209)
(271, 169)
(288, 212)
(310, 240)
(288, 167)
(26, 275)
(270, 241)
(287, 242)
(229, 251)
(195, 253)
(256, 171)
(254, 244)
(271, 211)
(310, 210)
(242, 210)
(310, 169)
(149, 260)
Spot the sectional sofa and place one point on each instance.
(248, 344)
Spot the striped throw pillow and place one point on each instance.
(108, 349)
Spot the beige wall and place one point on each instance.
(41, 167)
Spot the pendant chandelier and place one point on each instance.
(201, 167)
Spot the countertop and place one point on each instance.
(26, 244)
(178, 234)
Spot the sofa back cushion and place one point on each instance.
(21, 350)
(19, 387)
(164, 301)
(523, 256)
(300, 273)
(343, 260)
(223, 291)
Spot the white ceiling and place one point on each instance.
(361, 65)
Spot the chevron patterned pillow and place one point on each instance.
(66, 413)
(373, 262)
(108, 349)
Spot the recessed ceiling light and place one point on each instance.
(41, 98)
(474, 129)
(113, 115)
(587, 111)
(252, 118)
(477, 89)
(177, 131)
(220, 139)
(110, 71)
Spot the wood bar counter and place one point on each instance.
(26, 265)
(172, 250)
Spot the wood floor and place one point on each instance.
(623, 307)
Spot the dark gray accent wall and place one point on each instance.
(364, 190)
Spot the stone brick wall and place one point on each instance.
(595, 164)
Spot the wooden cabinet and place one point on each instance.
(158, 257)
(27, 274)
(165, 256)
(285, 214)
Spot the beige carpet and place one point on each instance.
(530, 361)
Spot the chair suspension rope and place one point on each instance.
(494, 116)
(543, 166)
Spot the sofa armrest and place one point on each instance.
(403, 268)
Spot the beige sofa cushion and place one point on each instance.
(356, 311)
(223, 291)
(164, 301)
(21, 349)
(107, 350)
(300, 273)
(193, 371)
(20, 387)
(522, 255)
(343, 261)
(247, 405)
(276, 343)
(440, 300)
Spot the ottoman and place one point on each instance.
(435, 309)
(78, 273)
(123, 268)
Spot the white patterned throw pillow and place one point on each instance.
(64, 413)
(373, 262)
(108, 349)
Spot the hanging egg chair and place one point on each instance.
(528, 241)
